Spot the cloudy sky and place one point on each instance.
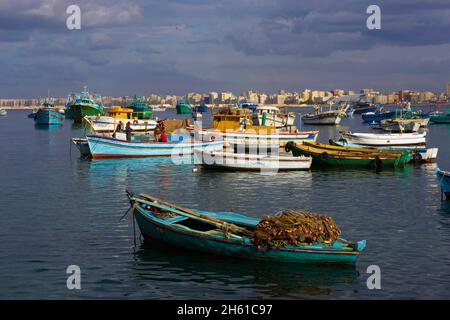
(175, 46)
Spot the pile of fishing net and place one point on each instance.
(294, 227)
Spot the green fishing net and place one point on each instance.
(294, 227)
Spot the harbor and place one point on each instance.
(79, 219)
(212, 159)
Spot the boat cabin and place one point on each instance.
(120, 113)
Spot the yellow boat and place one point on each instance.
(118, 112)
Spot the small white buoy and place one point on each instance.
(194, 169)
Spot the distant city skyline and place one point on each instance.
(128, 47)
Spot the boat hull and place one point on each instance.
(326, 120)
(444, 181)
(249, 162)
(440, 118)
(364, 110)
(247, 138)
(183, 109)
(48, 117)
(395, 139)
(79, 111)
(426, 155)
(106, 147)
(82, 145)
(371, 117)
(154, 230)
(334, 156)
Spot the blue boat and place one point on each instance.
(202, 108)
(377, 116)
(248, 104)
(228, 234)
(177, 145)
(48, 115)
(444, 181)
(363, 107)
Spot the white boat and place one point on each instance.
(399, 125)
(250, 137)
(242, 161)
(385, 139)
(272, 117)
(323, 118)
(3, 112)
(158, 109)
(330, 117)
(103, 124)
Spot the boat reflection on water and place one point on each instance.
(138, 173)
(242, 278)
(47, 127)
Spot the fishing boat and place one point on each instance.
(158, 109)
(3, 112)
(183, 107)
(420, 154)
(322, 118)
(329, 155)
(177, 145)
(330, 117)
(82, 145)
(399, 125)
(103, 124)
(364, 107)
(47, 114)
(241, 161)
(228, 234)
(261, 136)
(248, 104)
(385, 139)
(377, 116)
(272, 117)
(440, 117)
(116, 121)
(235, 126)
(140, 108)
(444, 181)
(32, 115)
(201, 108)
(84, 104)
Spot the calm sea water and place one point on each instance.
(58, 210)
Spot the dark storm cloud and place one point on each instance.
(130, 46)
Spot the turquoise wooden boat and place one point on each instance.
(444, 181)
(107, 147)
(227, 233)
(47, 114)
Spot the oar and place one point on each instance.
(194, 215)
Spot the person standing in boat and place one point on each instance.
(128, 131)
(118, 129)
(163, 136)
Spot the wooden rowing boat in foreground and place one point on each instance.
(242, 161)
(330, 155)
(228, 234)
